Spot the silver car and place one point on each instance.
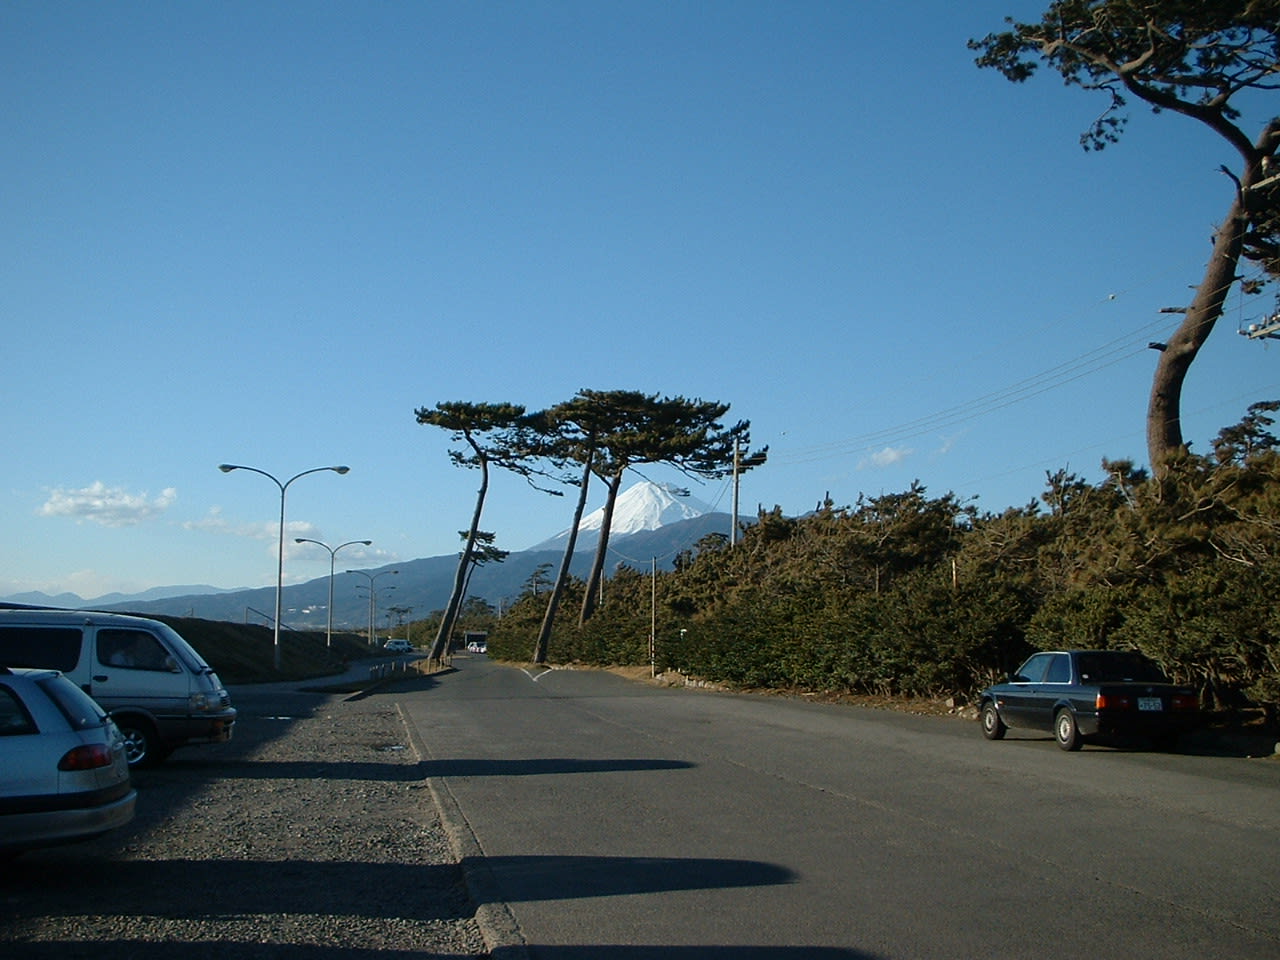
(64, 775)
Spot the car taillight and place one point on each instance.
(1186, 701)
(1113, 701)
(89, 757)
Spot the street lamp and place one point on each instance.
(372, 577)
(333, 553)
(227, 468)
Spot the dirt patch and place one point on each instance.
(948, 707)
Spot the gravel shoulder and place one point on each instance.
(313, 833)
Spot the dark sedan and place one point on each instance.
(1081, 694)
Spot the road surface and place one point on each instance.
(612, 818)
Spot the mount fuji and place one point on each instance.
(642, 507)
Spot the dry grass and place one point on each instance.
(949, 707)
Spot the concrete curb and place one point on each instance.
(497, 924)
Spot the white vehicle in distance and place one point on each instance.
(398, 646)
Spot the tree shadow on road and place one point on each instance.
(528, 878)
(658, 952)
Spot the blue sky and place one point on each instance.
(264, 233)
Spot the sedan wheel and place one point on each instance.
(1066, 732)
(993, 727)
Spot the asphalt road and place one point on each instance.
(607, 818)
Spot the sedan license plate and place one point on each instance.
(1150, 703)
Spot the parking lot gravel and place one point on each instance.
(312, 834)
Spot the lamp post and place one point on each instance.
(653, 617)
(372, 577)
(333, 553)
(227, 468)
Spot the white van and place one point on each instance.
(158, 690)
(398, 646)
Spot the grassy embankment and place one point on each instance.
(245, 652)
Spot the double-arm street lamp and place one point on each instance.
(227, 468)
(372, 577)
(333, 553)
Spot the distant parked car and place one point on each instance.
(398, 646)
(1081, 694)
(65, 774)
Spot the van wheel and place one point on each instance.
(142, 747)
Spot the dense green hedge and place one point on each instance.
(907, 594)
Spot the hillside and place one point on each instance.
(422, 585)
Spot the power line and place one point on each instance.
(1064, 459)
(1099, 358)
(1092, 361)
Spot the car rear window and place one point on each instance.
(14, 719)
(81, 710)
(1059, 669)
(1115, 666)
(54, 648)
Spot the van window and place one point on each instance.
(54, 648)
(136, 649)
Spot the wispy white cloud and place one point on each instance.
(109, 506)
(269, 531)
(213, 521)
(355, 555)
(885, 458)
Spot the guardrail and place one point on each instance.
(381, 671)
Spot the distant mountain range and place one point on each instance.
(36, 598)
(652, 523)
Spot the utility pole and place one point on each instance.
(653, 617)
(737, 459)
(1266, 329)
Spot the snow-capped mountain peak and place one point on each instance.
(644, 506)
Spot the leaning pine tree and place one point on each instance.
(645, 429)
(490, 433)
(1191, 57)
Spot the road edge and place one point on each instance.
(497, 923)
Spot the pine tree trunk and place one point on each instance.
(562, 578)
(440, 646)
(1164, 412)
(592, 595)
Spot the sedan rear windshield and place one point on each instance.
(1119, 667)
